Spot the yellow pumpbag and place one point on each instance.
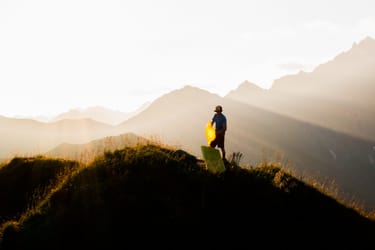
(210, 133)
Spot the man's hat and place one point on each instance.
(218, 108)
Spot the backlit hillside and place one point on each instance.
(153, 196)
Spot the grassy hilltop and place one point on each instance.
(152, 195)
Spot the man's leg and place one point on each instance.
(223, 153)
(221, 145)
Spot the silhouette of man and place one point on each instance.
(220, 122)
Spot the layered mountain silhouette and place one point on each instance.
(27, 137)
(337, 94)
(100, 114)
(320, 124)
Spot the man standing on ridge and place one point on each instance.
(220, 122)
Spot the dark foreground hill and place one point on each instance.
(25, 181)
(156, 197)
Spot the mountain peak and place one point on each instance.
(249, 86)
(188, 90)
(368, 44)
(367, 40)
(191, 88)
(244, 90)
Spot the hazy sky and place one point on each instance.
(61, 54)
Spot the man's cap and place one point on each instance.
(218, 108)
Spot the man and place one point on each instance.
(220, 122)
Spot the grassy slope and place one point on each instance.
(154, 195)
(24, 181)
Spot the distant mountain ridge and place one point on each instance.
(28, 137)
(97, 113)
(100, 114)
(352, 65)
(337, 94)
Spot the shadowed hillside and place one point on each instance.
(152, 196)
(24, 181)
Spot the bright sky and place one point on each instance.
(56, 55)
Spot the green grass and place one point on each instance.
(153, 194)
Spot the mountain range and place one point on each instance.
(100, 114)
(337, 94)
(96, 113)
(320, 124)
